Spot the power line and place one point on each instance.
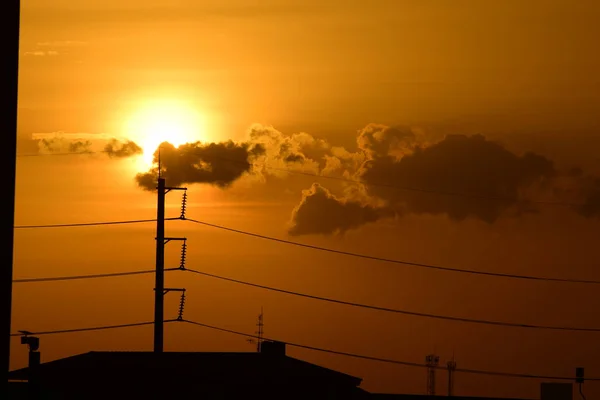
(397, 311)
(388, 360)
(319, 298)
(75, 277)
(137, 221)
(393, 261)
(96, 328)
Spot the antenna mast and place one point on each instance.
(260, 332)
(451, 368)
(432, 362)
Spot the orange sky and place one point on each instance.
(525, 74)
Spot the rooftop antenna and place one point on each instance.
(259, 333)
(451, 369)
(432, 362)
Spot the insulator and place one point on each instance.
(183, 205)
(183, 255)
(181, 306)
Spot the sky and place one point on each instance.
(471, 126)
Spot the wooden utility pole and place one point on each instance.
(11, 9)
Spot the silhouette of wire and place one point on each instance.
(75, 277)
(95, 328)
(137, 221)
(385, 360)
(393, 261)
(355, 181)
(394, 310)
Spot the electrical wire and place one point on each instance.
(96, 328)
(319, 298)
(393, 261)
(137, 221)
(385, 360)
(75, 277)
(394, 310)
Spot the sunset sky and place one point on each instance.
(476, 98)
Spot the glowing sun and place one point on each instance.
(163, 121)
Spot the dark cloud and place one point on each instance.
(487, 179)
(579, 189)
(218, 164)
(117, 149)
(460, 177)
(80, 146)
(395, 172)
(320, 212)
(294, 158)
(591, 204)
(64, 145)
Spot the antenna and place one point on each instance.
(432, 362)
(451, 369)
(259, 333)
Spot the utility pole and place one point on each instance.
(8, 125)
(159, 286)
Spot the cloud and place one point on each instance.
(39, 53)
(459, 177)
(218, 164)
(62, 43)
(377, 140)
(471, 166)
(583, 190)
(61, 144)
(393, 171)
(118, 149)
(320, 212)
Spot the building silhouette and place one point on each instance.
(270, 374)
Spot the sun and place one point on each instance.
(163, 121)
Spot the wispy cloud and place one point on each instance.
(39, 53)
(63, 43)
(73, 135)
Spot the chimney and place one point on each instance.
(273, 348)
(34, 364)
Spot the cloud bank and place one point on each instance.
(393, 171)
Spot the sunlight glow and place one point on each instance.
(159, 121)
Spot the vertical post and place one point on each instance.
(8, 125)
(159, 286)
(34, 374)
(451, 368)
